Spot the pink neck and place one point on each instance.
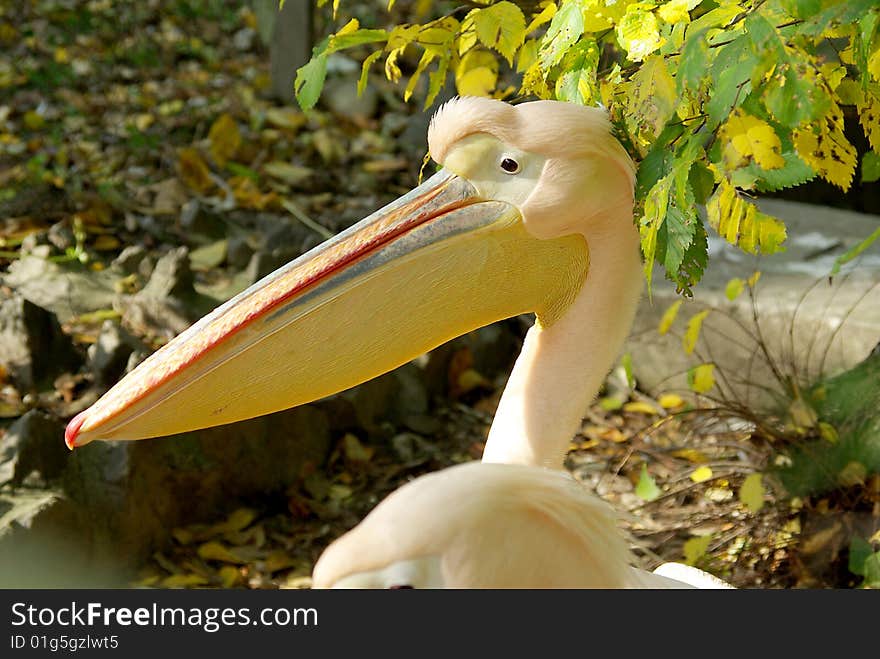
(561, 367)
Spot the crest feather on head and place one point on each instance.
(553, 129)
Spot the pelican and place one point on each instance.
(485, 525)
(530, 213)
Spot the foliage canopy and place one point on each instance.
(716, 99)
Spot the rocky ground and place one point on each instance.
(145, 177)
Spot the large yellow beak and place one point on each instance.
(432, 265)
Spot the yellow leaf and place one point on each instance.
(670, 401)
(215, 551)
(239, 519)
(500, 26)
(248, 195)
(828, 432)
(184, 581)
(740, 223)
(701, 378)
(874, 65)
(544, 16)
(734, 288)
(676, 11)
(287, 172)
(33, 120)
(183, 536)
(533, 82)
(105, 242)
(638, 32)
(854, 473)
(640, 407)
(695, 548)
(476, 74)
(528, 55)
(286, 118)
(280, 560)
(650, 99)
(750, 137)
(691, 455)
(701, 474)
(751, 492)
(692, 334)
(869, 117)
(230, 576)
(824, 147)
(354, 450)
(193, 170)
(224, 139)
(669, 317)
(365, 69)
(427, 58)
(753, 280)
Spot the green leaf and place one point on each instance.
(802, 9)
(751, 492)
(853, 252)
(696, 258)
(626, 362)
(356, 38)
(732, 73)
(577, 84)
(679, 234)
(859, 551)
(646, 488)
(702, 181)
(655, 166)
(870, 167)
(565, 29)
(651, 100)
(793, 173)
(693, 64)
(840, 13)
(501, 27)
(310, 80)
(872, 570)
(695, 548)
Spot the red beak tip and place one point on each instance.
(72, 430)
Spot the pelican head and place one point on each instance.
(482, 525)
(503, 229)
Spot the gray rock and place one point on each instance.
(168, 303)
(340, 95)
(33, 348)
(66, 290)
(45, 543)
(129, 260)
(134, 492)
(35, 442)
(808, 324)
(243, 39)
(171, 277)
(61, 236)
(239, 250)
(109, 355)
(196, 219)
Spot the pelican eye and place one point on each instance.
(510, 166)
